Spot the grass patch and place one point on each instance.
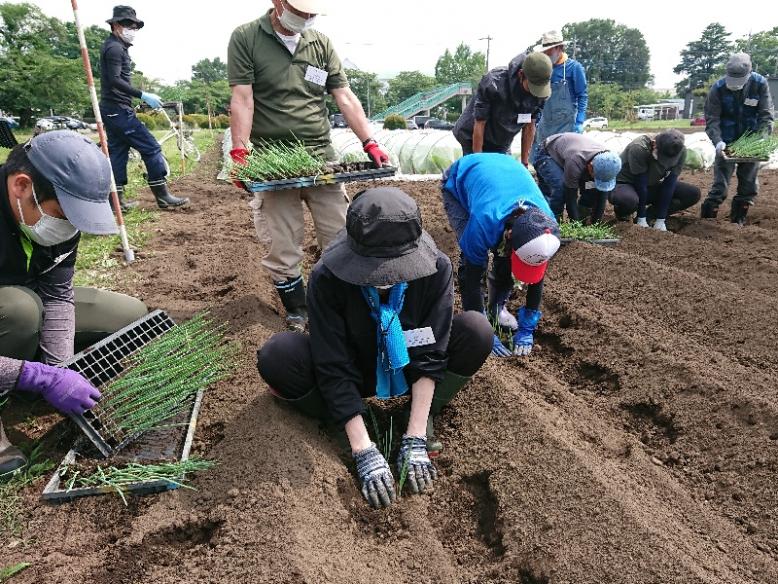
(11, 571)
(11, 488)
(577, 230)
(98, 255)
(649, 125)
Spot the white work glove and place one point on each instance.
(720, 145)
(641, 222)
(659, 225)
(506, 319)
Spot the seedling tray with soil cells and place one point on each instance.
(751, 147)
(353, 171)
(152, 375)
(273, 166)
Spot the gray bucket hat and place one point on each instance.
(81, 175)
(383, 242)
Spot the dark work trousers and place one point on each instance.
(126, 131)
(747, 183)
(624, 199)
(467, 148)
(286, 364)
(470, 276)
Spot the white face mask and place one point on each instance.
(297, 24)
(128, 35)
(554, 56)
(48, 230)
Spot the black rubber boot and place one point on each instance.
(164, 199)
(738, 211)
(292, 293)
(709, 210)
(445, 390)
(11, 458)
(123, 205)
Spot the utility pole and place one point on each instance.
(488, 40)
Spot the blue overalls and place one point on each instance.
(558, 116)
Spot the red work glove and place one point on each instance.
(376, 153)
(238, 156)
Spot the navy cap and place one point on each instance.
(535, 240)
(81, 175)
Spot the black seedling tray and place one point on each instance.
(321, 179)
(171, 443)
(729, 158)
(606, 242)
(103, 362)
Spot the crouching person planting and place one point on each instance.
(381, 324)
(51, 189)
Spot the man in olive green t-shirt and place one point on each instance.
(279, 71)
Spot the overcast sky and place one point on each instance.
(386, 37)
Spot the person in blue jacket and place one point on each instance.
(494, 205)
(565, 110)
(738, 103)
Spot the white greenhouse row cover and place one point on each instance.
(432, 151)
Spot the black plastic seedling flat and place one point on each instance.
(171, 443)
(743, 159)
(103, 362)
(322, 179)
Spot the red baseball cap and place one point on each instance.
(535, 239)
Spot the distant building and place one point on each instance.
(669, 109)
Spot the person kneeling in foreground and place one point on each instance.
(494, 205)
(381, 321)
(51, 189)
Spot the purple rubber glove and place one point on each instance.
(64, 389)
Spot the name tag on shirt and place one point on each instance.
(524, 118)
(419, 337)
(589, 185)
(316, 75)
(751, 102)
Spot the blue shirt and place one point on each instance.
(490, 186)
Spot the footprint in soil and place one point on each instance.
(466, 516)
(652, 426)
(186, 533)
(595, 378)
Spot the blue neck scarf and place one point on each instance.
(392, 351)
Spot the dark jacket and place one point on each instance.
(115, 73)
(730, 114)
(499, 100)
(343, 335)
(50, 268)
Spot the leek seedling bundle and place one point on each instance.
(118, 478)
(751, 145)
(163, 377)
(278, 160)
(577, 230)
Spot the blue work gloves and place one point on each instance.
(152, 99)
(523, 339)
(420, 471)
(498, 349)
(720, 145)
(579, 128)
(375, 476)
